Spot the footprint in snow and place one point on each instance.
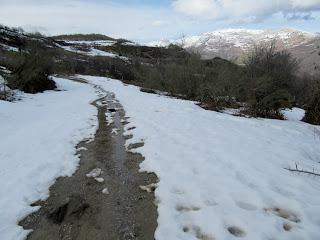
(284, 213)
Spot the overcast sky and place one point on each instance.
(146, 20)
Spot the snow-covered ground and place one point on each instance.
(37, 145)
(219, 175)
(222, 175)
(294, 114)
(94, 52)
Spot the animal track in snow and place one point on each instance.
(246, 206)
(284, 213)
(287, 227)
(197, 232)
(181, 208)
(210, 203)
(236, 231)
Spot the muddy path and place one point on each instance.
(108, 203)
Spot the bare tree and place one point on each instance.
(182, 41)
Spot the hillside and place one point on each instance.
(83, 37)
(106, 138)
(84, 53)
(234, 44)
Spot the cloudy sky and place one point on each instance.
(146, 20)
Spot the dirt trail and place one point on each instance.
(78, 209)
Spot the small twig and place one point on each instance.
(303, 171)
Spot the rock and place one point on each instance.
(94, 173)
(148, 90)
(38, 203)
(100, 180)
(75, 206)
(149, 188)
(105, 191)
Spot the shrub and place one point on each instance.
(271, 77)
(313, 111)
(31, 71)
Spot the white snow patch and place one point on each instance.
(38, 144)
(105, 191)
(231, 111)
(94, 173)
(93, 52)
(221, 174)
(109, 118)
(93, 43)
(149, 188)
(5, 70)
(9, 48)
(82, 149)
(294, 114)
(115, 131)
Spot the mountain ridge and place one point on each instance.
(235, 44)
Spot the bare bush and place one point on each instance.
(271, 76)
(31, 71)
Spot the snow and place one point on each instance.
(105, 191)
(39, 135)
(220, 174)
(93, 52)
(4, 70)
(97, 52)
(244, 39)
(231, 111)
(93, 43)
(9, 48)
(294, 114)
(109, 118)
(115, 131)
(160, 43)
(94, 173)
(99, 179)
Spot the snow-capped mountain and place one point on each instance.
(234, 44)
(214, 43)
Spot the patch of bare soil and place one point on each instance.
(103, 204)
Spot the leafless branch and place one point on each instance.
(302, 171)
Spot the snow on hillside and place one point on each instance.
(93, 43)
(37, 145)
(223, 176)
(241, 38)
(93, 52)
(8, 48)
(161, 43)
